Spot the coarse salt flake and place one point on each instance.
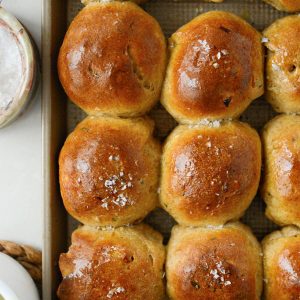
(216, 65)
(275, 67)
(224, 52)
(114, 158)
(79, 266)
(82, 166)
(115, 291)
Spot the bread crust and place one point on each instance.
(281, 187)
(282, 264)
(109, 171)
(124, 263)
(285, 5)
(87, 2)
(214, 263)
(113, 70)
(215, 68)
(210, 175)
(283, 64)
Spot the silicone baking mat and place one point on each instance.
(171, 15)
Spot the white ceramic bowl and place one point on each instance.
(15, 282)
(29, 63)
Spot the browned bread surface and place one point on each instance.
(124, 263)
(282, 264)
(214, 263)
(215, 69)
(285, 5)
(113, 59)
(283, 64)
(86, 2)
(210, 174)
(281, 188)
(109, 171)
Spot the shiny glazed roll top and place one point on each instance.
(123, 263)
(86, 2)
(285, 5)
(283, 64)
(282, 264)
(281, 187)
(215, 69)
(109, 170)
(210, 173)
(112, 60)
(214, 263)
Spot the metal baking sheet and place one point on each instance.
(61, 116)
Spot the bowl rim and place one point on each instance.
(15, 280)
(27, 50)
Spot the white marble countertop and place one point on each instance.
(21, 202)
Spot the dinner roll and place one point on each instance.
(109, 171)
(210, 174)
(215, 68)
(282, 264)
(112, 60)
(285, 5)
(214, 263)
(283, 64)
(281, 189)
(124, 263)
(86, 2)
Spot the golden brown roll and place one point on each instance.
(124, 263)
(281, 188)
(285, 5)
(109, 170)
(112, 60)
(86, 2)
(215, 69)
(283, 64)
(214, 263)
(282, 264)
(210, 174)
